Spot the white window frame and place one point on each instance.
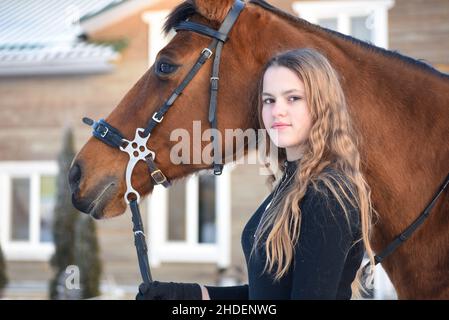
(32, 249)
(156, 38)
(312, 11)
(163, 250)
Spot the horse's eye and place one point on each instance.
(165, 68)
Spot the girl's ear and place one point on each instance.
(214, 10)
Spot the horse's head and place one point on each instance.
(97, 175)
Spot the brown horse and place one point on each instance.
(399, 105)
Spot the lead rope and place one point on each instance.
(140, 243)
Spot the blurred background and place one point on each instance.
(65, 59)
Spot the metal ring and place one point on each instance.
(124, 144)
(132, 192)
(139, 231)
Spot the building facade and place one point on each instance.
(195, 226)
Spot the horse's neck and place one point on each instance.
(388, 101)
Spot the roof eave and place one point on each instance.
(113, 14)
(74, 67)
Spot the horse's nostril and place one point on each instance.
(74, 176)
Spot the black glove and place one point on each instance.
(169, 291)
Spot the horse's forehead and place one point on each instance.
(184, 43)
(212, 9)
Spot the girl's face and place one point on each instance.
(285, 112)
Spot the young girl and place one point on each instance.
(307, 239)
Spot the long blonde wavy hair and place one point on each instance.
(332, 143)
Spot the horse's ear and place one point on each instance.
(214, 10)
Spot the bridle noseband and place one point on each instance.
(137, 148)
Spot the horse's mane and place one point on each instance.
(394, 54)
(180, 13)
(187, 9)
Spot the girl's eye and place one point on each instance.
(268, 100)
(165, 68)
(294, 98)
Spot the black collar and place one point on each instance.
(290, 166)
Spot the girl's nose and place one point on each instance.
(278, 109)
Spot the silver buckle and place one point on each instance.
(158, 176)
(156, 119)
(139, 231)
(208, 51)
(105, 133)
(214, 83)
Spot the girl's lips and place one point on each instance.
(280, 127)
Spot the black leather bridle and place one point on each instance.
(401, 238)
(137, 148)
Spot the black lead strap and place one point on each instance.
(105, 132)
(412, 228)
(140, 243)
(400, 239)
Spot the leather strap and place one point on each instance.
(140, 243)
(202, 29)
(155, 173)
(105, 132)
(400, 239)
